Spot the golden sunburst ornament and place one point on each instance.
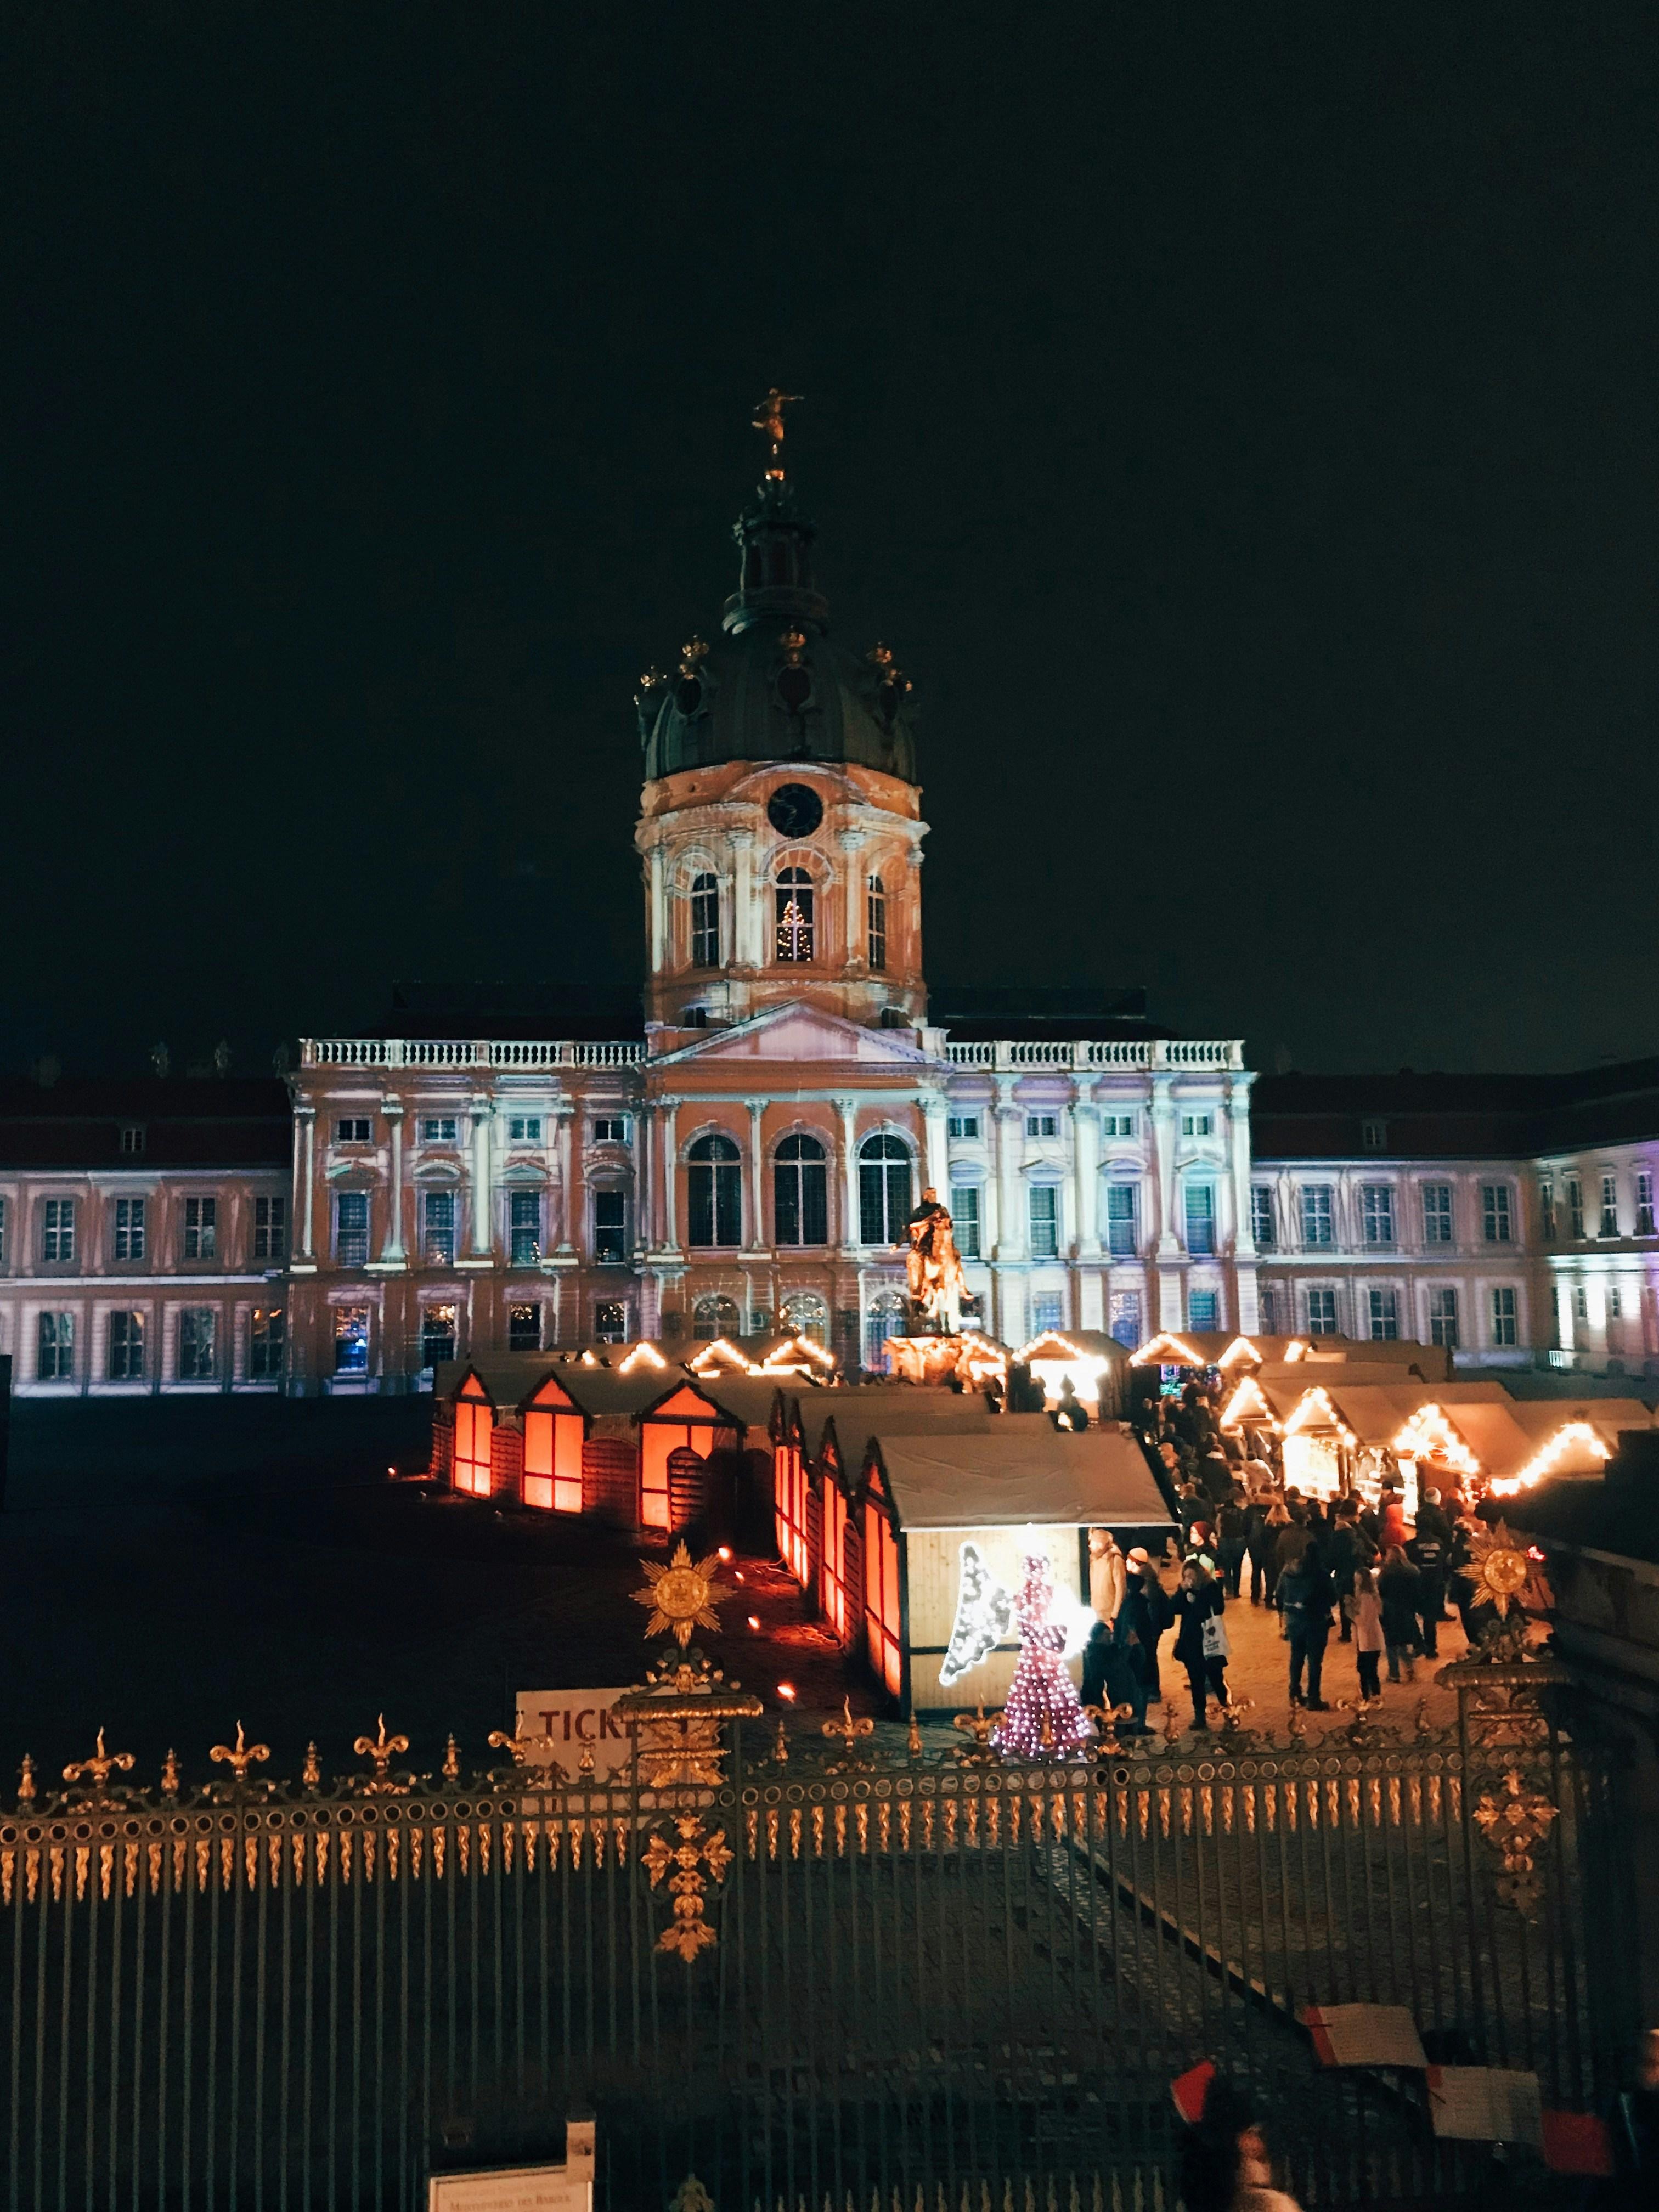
(683, 1595)
(1498, 1567)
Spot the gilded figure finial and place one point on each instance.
(768, 420)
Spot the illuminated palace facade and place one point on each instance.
(738, 1151)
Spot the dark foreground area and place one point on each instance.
(172, 1567)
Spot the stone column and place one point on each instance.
(657, 882)
(671, 1174)
(482, 1238)
(1238, 1131)
(1164, 1136)
(391, 1250)
(307, 1209)
(854, 952)
(744, 951)
(938, 1161)
(644, 1194)
(565, 1113)
(848, 1110)
(1085, 1168)
(756, 1240)
(1011, 1223)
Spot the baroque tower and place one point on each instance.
(780, 825)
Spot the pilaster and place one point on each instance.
(1163, 1137)
(392, 1254)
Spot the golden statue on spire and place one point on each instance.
(769, 419)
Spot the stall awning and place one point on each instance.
(1006, 1476)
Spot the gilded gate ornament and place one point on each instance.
(698, 1848)
(380, 1750)
(683, 1595)
(1515, 1823)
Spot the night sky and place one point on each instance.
(1239, 421)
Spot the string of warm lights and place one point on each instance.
(1576, 1435)
(1430, 1435)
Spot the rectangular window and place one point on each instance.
(964, 1218)
(132, 1138)
(1643, 1202)
(1547, 1210)
(201, 1228)
(611, 1321)
(1615, 1304)
(524, 1129)
(351, 1228)
(1581, 1302)
(963, 1125)
(1443, 1318)
(129, 1228)
(267, 1342)
(1384, 1316)
(437, 1334)
(524, 1328)
(1318, 1224)
(1322, 1313)
(1609, 1206)
(1266, 1300)
(126, 1347)
(610, 1129)
(1374, 1135)
(1377, 1213)
(1263, 1226)
(1043, 1199)
(1123, 1220)
(198, 1344)
(1437, 1213)
(1504, 1317)
(1042, 1125)
(1575, 1207)
(352, 1339)
(270, 1228)
(1198, 1124)
(58, 1229)
(357, 1129)
(439, 1130)
(1204, 1310)
(437, 1228)
(1126, 1318)
(1048, 1312)
(1495, 1213)
(610, 1225)
(54, 1359)
(524, 1223)
(1201, 1218)
(877, 920)
(705, 922)
(1117, 1124)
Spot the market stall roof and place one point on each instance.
(854, 1416)
(1368, 1411)
(1013, 1474)
(1227, 1349)
(1067, 1344)
(1608, 1417)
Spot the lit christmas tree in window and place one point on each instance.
(1043, 1718)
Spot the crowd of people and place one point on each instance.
(1342, 1566)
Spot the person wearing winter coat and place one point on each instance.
(1199, 1600)
(1304, 1604)
(1364, 1610)
(1149, 1610)
(1232, 1530)
(1344, 1550)
(1399, 1588)
(1108, 1584)
(1225, 2165)
(1427, 1553)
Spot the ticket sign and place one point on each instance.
(514, 2189)
(561, 1725)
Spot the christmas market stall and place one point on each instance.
(947, 1522)
(1096, 1364)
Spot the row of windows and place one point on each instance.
(793, 919)
(1379, 1319)
(59, 1242)
(967, 1126)
(128, 1351)
(1607, 1213)
(1317, 1203)
(444, 1129)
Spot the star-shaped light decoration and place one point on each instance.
(683, 1595)
(1498, 1567)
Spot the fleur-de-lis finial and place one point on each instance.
(851, 1726)
(241, 1756)
(380, 1750)
(518, 1747)
(99, 1767)
(977, 1725)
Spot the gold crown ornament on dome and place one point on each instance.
(683, 1595)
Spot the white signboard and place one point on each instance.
(514, 2189)
(561, 1725)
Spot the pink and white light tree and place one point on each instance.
(1041, 1690)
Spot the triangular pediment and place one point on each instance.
(796, 1033)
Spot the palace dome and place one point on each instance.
(775, 686)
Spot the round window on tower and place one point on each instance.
(794, 810)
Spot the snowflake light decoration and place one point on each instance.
(683, 1595)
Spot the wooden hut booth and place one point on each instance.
(1018, 1486)
(1096, 1364)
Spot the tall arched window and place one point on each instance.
(877, 923)
(712, 1317)
(884, 1190)
(883, 1318)
(713, 1192)
(800, 1203)
(805, 1315)
(705, 922)
(794, 903)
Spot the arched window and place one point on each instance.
(713, 1192)
(805, 1315)
(794, 903)
(705, 922)
(885, 1318)
(712, 1317)
(884, 1190)
(800, 1200)
(877, 923)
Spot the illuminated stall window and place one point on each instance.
(832, 1567)
(553, 1451)
(475, 1428)
(661, 1435)
(789, 1484)
(881, 1594)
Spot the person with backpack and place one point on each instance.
(1232, 1532)
(1399, 1587)
(1304, 1605)
(1427, 1553)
